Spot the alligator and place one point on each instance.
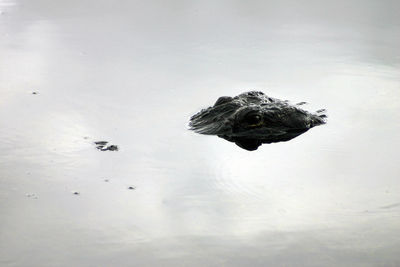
(253, 118)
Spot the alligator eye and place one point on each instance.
(253, 120)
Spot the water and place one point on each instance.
(133, 72)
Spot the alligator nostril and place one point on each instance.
(223, 100)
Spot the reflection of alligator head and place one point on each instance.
(251, 119)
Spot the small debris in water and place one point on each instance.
(76, 193)
(112, 148)
(35, 93)
(131, 188)
(101, 143)
(31, 195)
(102, 146)
(106, 180)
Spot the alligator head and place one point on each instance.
(252, 119)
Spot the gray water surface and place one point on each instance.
(133, 72)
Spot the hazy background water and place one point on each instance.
(133, 72)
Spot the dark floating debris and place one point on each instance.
(106, 180)
(102, 146)
(31, 195)
(131, 188)
(112, 148)
(253, 118)
(101, 143)
(35, 93)
(76, 193)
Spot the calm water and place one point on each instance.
(133, 72)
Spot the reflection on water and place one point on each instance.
(132, 73)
